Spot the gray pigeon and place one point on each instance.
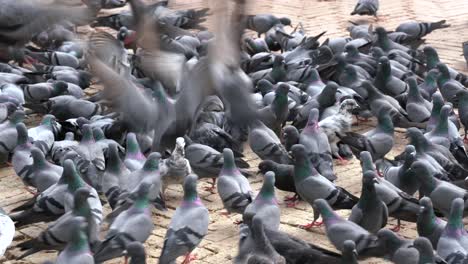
(188, 225)
(264, 206)
(8, 134)
(266, 144)
(378, 142)
(463, 111)
(448, 87)
(59, 233)
(340, 230)
(366, 7)
(263, 22)
(114, 177)
(314, 139)
(418, 108)
(370, 212)
(453, 242)
(290, 136)
(310, 185)
(123, 229)
(21, 159)
(64, 107)
(41, 174)
(233, 188)
(419, 30)
(386, 82)
(425, 249)
(63, 146)
(255, 247)
(442, 193)
(440, 133)
(398, 250)
(428, 224)
(43, 136)
(77, 250)
(134, 159)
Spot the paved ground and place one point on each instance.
(220, 245)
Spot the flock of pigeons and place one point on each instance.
(181, 105)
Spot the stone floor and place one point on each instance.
(220, 245)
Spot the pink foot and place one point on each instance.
(189, 258)
(310, 225)
(293, 198)
(212, 188)
(465, 139)
(238, 222)
(292, 204)
(342, 161)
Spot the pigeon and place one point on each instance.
(315, 140)
(284, 175)
(428, 224)
(448, 87)
(442, 193)
(8, 231)
(57, 199)
(463, 111)
(339, 123)
(9, 134)
(437, 104)
(122, 230)
(386, 82)
(215, 137)
(114, 177)
(43, 136)
(64, 107)
(418, 108)
(349, 253)
(60, 232)
(77, 250)
(440, 133)
(370, 212)
(310, 185)
(256, 247)
(136, 252)
(233, 188)
(425, 249)
(429, 86)
(63, 146)
(419, 30)
(264, 206)
(378, 141)
(38, 92)
(340, 230)
(175, 168)
(366, 7)
(266, 144)
(188, 225)
(21, 159)
(276, 114)
(134, 159)
(41, 174)
(263, 22)
(453, 242)
(290, 136)
(399, 175)
(400, 205)
(104, 142)
(398, 250)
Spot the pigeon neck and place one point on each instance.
(303, 169)
(229, 164)
(383, 41)
(432, 60)
(428, 183)
(142, 202)
(151, 165)
(443, 78)
(368, 195)
(328, 215)
(133, 149)
(88, 137)
(455, 223)
(442, 126)
(39, 161)
(115, 163)
(385, 71)
(79, 241)
(82, 208)
(385, 125)
(267, 192)
(191, 198)
(23, 138)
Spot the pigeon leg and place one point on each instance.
(292, 204)
(312, 224)
(30, 190)
(212, 188)
(189, 258)
(126, 260)
(342, 161)
(293, 198)
(465, 139)
(397, 228)
(238, 222)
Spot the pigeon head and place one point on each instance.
(87, 134)
(384, 67)
(268, 187)
(426, 204)
(299, 152)
(410, 154)
(38, 157)
(70, 176)
(265, 86)
(114, 163)
(377, 52)
(384, 120)
(136, 250)
(432, 58)
(312, 122)
(229, 162)
(60, 87)
(266, 165)
(80, 201)
(445, 111)
(263, 245)
(427, 219)
(152, 163)
(278, 61)
(98, 134)
(416, 138)
(424, 247)
(128, 37)
(81, 121)
(350, 73)
(190, 188)
(132, 146)
(413, 85)
(290, 132)
(17, 117)
(388, 238)
(324, 209)
(351, 50)
(285, 21)
(282, 90)
(455, 219)
(428, 182)
(22, 132)
(444, 71)
(349, 250)
(348, 106)
(431, 76)
(366, 162)
(368, 181)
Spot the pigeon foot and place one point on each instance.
(189, 258)
(310, 225)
